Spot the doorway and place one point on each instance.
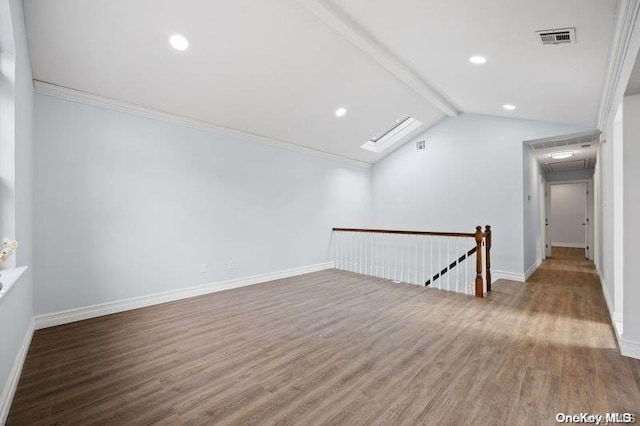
(569, 207)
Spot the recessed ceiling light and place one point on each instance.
(477, 60)
(178, 42)
(561, 155)
(340, 112)
(509, 107)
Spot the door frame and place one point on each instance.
(542, 196)
(590, 211)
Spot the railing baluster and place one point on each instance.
(448, 263)
(402, 256)
(424, 260)
(395, 259)
(366, 257)
(440, 262)
(370, 254)
(416, 281)
(401, 260)
(457, 253)
(431, 263)
(389, 257)
(408, 247)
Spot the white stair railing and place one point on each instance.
(444, 260)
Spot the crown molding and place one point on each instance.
(625, 45)
(48, 89)
(335, 18)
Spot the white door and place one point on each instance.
(542, 190)
(547, 228)
(585, 222)
(568, 219)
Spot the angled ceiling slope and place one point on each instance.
(279, 69)
(267, 68)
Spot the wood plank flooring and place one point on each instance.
(338, 348)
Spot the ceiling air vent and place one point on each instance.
(421, 145)
(392, 134)
(559, 36)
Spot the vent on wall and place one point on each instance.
(421, 145)
(559, 36)
(392, 134)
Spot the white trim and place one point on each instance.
(615, 317)
(505, 275)
(607, 296)
(568, 245)
(8, 277)
(532, 270)
(570, 181)
(623, 52)
(48, 89)
(14, 375)
(337, 19)
(79, 314)
(629, 348)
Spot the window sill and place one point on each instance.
(8, 277)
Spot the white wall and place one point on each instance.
(16, 307)
(471, 174)
(128, 206)
(606, 181)
(568, 212)
(532, 240)
(630, 222)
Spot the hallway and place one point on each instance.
(335, 347)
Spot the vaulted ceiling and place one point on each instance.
(280, 68)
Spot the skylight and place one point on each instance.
(392, 134)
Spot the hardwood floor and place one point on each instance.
(338, 348)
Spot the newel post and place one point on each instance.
(479, 284)
(487, 234)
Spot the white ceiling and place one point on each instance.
(276, 69)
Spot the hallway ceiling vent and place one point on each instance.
(561, 166)
(392, 134)
(559, 36)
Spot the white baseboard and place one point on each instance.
(629, 348)
(79, 314)
(616, 317)
(569, 245)
(532, 270)
(14, 375)
(504, 275)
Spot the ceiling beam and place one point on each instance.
(356, 35)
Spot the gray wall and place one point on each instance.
(631, 224)
(129, 206)
(470, 174)
(16, 307)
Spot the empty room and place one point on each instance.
(319, 212)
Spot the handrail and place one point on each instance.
(402, 232)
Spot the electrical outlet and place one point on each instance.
(203, 268)
(231, 264)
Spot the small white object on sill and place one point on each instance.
(8, 278)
